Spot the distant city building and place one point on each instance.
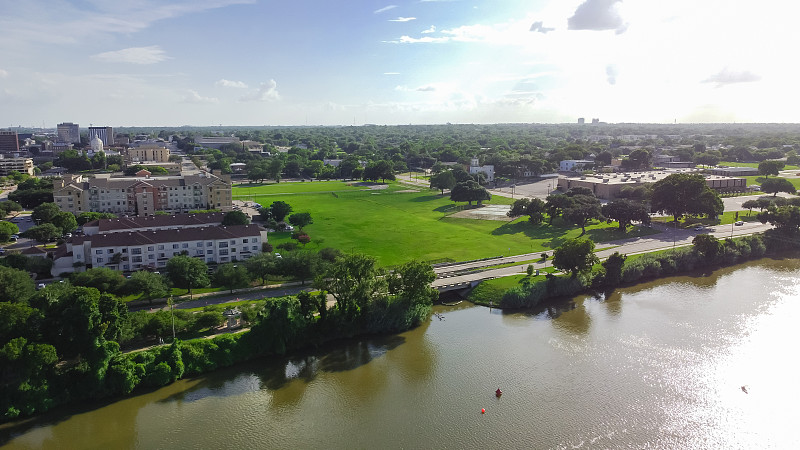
(68, 132)
(147, 152)
(9, 142)
(595, 121)
(142, 196)
(96, 145)
(474, 168)
(21, 165)
(215, 142)
(575, 165)
(581, 120)
(106, 134)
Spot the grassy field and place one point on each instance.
(753, 165)
(396, 225)
(758, 179)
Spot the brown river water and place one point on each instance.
(657, 365)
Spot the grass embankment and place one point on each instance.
(753, 165)
(396, 226)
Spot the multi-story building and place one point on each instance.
(142, 196)
(9, 142)
(137, 250)
(152, 223)
(69, 133)
(106, 134)
(147, 152)
(21, 165)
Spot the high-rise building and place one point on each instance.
(69, 133)
(581, 120)
(9, 142)
(106, 134)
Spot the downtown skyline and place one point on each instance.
(258, 62)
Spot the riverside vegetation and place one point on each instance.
(61, 342)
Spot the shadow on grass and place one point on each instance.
(427, 198)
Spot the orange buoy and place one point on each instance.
(483, 410)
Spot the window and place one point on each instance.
(98, 252)
(150, 248)
(99, 260)
(162, 255)
(255, 247)
(137, 259)
(110, 251)
(244, 241)
(199, 244)
(151, 256)
(223, 245)
(136, 251)
(233, 250)
(223, 252)
(233, 241)
(209, 252)
(174, 245)
(185, 245)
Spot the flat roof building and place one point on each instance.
(68, 132)
(9, 142)
(608, 186)
(21, 165)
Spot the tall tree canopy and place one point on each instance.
(682, 194)
(469, 191)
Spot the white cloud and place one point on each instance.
(597, 15)
(3, 73)
(194, 97)
(134, 55)
(432, 29)
(727, 76)
(231, 84)
(267, 91)
(403, 19)
(384, 9)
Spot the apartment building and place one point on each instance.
(139, 250)
(147, 152)
(21, 165)
(152, 223)
(142, 196)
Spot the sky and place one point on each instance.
(354, 62)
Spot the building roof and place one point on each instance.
(126, 182)
(164, 236)
(174, 220)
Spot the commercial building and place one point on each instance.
(152, 223)
(147, 152)
(215, 142)
(735, 171)
(475, 167)
(9, 142)
(68, 132)
(142, 196)
(138, 250)
(608, 186)
(575, 165)
(106, 134)
(21, 165)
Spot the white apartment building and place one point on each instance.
(21, 165)
(139, 250)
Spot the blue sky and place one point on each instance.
(315, 62)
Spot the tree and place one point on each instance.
(186, 272)
(638, 159)
(685, 194)
(556, 204)
(707, 159)
(775, 185)
(354, 281)
(469, 191)
(65, 222)
(413, 283)
(786, 219)
(443, 180)
(7, 229)
(613, 269)
(770, 167)
(279, 210)
(101, 278)
(236, 218)
(44, 213)
(16, 285)
(232, 276)
(86, 217)
(582, 209)
(148, 285)
(519, 208)
(262, 266)
(379, 170)
(625, 212)
(707, 245)
(300, 220)
(9, 206)
(43, 233)
(750, 205)
(575, 255)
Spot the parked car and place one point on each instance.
(40, 286)
(699, 228)
(739, 223)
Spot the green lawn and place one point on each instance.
(758, 179)
(754, 165)
(727, 218)
(396, 227)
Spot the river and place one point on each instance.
(659, 365)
